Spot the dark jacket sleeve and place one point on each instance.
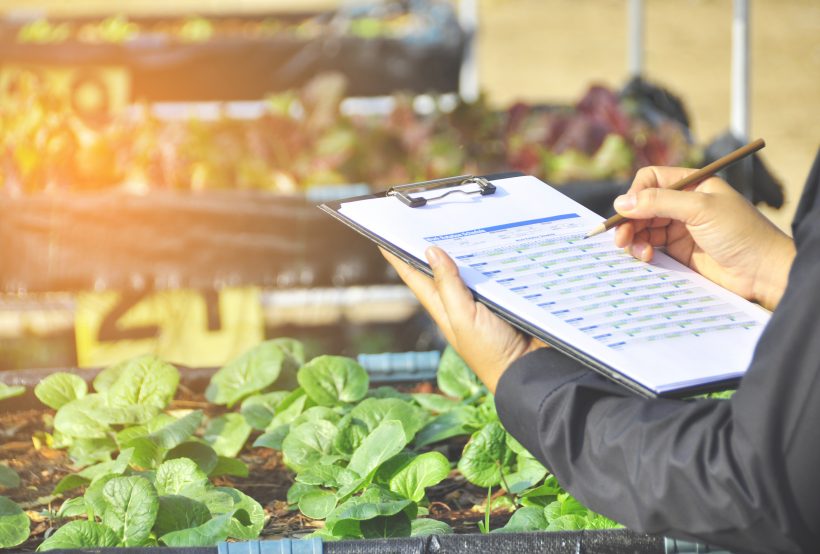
(741, 473)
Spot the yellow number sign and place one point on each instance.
(187, 327)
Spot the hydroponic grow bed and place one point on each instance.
(277, 447)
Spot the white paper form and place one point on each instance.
(522, 248)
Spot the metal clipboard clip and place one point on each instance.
(402, 192)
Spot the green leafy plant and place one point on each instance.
(351, 451)
(118, 28)
(364, 459)
(157, 489)
(58, 389)
(333, 380)
(49, 146)
(128, 401)
(257, 369)
(562, 514)
(14, 523)
(484, 526)
(175, 505)
(455, 378)
(10, 391)
(8, 478)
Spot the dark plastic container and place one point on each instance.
(619, 541)
(236, 67)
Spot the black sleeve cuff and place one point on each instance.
(524, 387)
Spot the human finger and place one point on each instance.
(658, 222)
(456, 298)
(657, 236)
(658, 177)
(650, 203)
(715, 185)
(424, 289)
(626, 231)
(624, 234)
(641, 250)
(413, 278)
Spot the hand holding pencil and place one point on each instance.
(712, 229)
(692, 178)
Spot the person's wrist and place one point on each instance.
(773, 275)
(491, 373)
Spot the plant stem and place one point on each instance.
(504, 481)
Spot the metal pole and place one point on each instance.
(739, 124)
(635, 24)
(468, 86)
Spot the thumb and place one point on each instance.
(684, 206)
(456, 298)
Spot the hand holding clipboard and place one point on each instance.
(659, 329)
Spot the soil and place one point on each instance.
(40, 469)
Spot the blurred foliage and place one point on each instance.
(303, 138)
(393, 20)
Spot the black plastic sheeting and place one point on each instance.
(167, 239)
(751, 177)
(561, 542)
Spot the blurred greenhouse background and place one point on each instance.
(221, 124)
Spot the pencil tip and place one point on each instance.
(596, 231)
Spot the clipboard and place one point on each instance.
(408, 195)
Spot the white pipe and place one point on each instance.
(468, 75)
(635, 47)
(739, 124)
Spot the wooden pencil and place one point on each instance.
(692, 179)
